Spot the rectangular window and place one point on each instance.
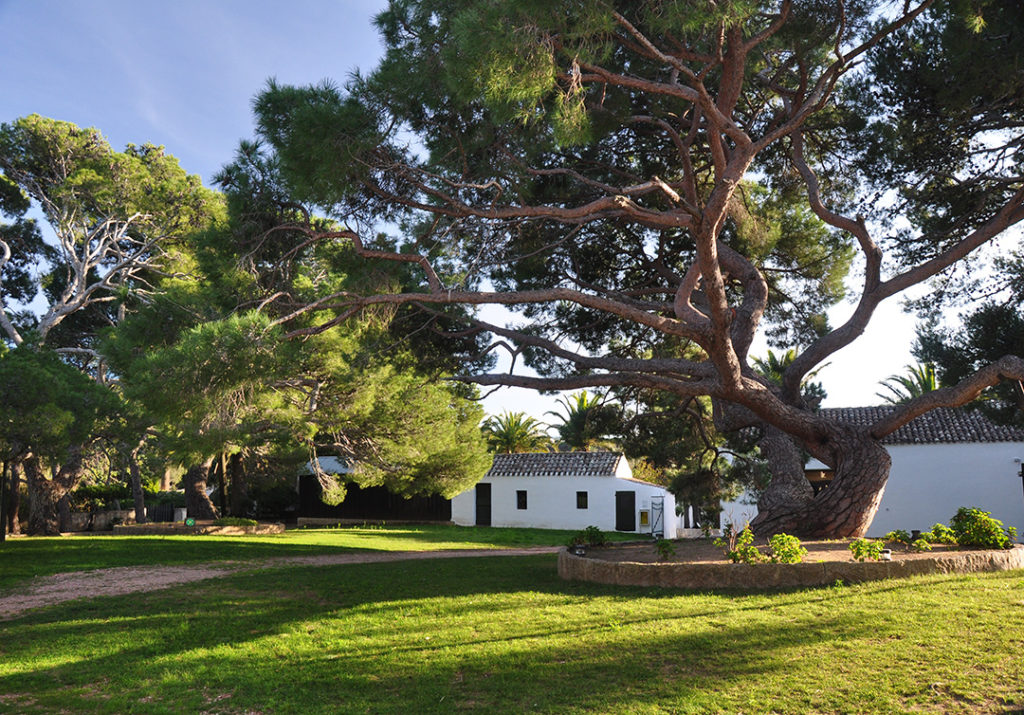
(581, 500)
(520, 499)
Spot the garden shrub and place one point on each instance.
(174, 498)
(921, 544)
(591, 536)
(234, 521)
(665, 549)
(594, 536)
(940, 534)
(739, 548)
(785, 549)
(97, 497)
(898, 536)
(863, 549)
(727, 541)
(974, 527)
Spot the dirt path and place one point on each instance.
(61, 587)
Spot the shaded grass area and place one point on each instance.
(506, 634)
(22, 559)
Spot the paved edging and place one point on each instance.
(763, 576)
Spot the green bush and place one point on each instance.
(921, 544)
(940, 534)
(898, 536)
(974, 527)
(863, 549)
(665, 549)
(234, 521)
(739, 548)
(785, 549)
(272, 501)
(97, 497)
(176, 499)
(594, 536)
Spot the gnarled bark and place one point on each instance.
(238, 492)
(14, 500)
(45, 494)
(847, 506)
(138, 496)
(788, 491)
(197, 502)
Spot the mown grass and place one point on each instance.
(24, 558)
(505, 634)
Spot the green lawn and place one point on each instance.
(24, 558)
(505, 634)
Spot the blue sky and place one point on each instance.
(179, 73)
(183, 73)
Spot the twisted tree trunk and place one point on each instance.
(846, 507)
(196, 500)
(788, 491)
(45, 495)
(238, 494)
(138, 496)
(14, 500)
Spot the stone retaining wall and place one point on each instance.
(100, 520)
(168, 529)
(763, 576)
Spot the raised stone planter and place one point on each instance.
(100, 520)
(169, 529)
(765, 576)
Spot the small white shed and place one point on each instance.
(566, 490)
(941, 461)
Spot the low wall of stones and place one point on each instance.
(704, 576)
(170, 529)
(100, 520)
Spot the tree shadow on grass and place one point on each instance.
(501, 634)
(23, 559)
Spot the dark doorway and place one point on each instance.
(483, 504)
(625, 511)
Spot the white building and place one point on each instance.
(566, 490)
(941, 461)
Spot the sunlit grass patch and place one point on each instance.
(506, 635)
(25, 558)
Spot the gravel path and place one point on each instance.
(62, 587)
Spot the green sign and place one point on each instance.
(190, 521)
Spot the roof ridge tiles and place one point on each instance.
(941, 425)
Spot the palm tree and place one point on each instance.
(512, 432)
(773, 366)
(919, 379)
(588, 421)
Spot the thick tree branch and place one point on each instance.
(1010, 367)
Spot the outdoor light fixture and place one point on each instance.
(1021, 472)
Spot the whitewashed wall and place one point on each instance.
(929, 482)
(551, 502)
(739, 512)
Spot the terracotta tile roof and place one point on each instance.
(555, 464)
(943, 425)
